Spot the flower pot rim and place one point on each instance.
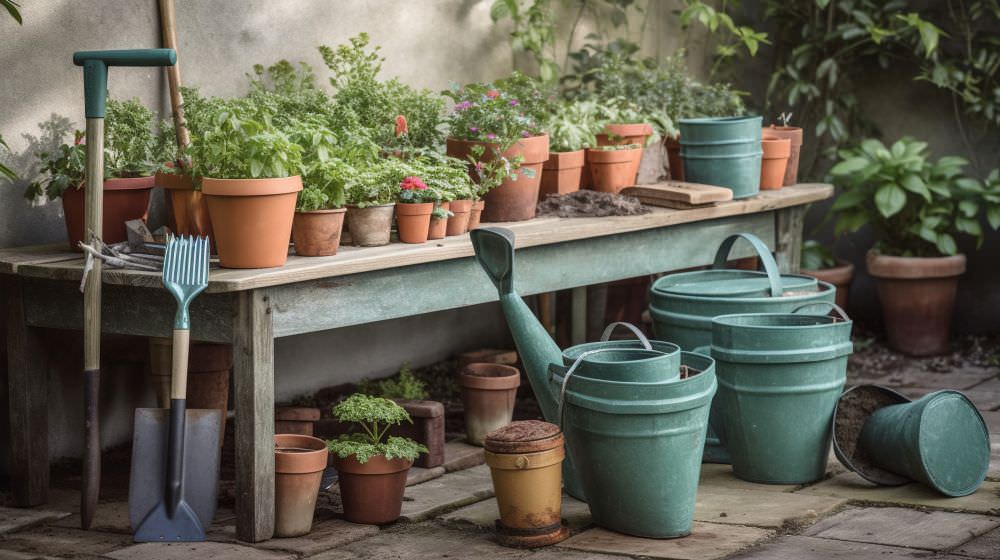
(368, 207)
(311, 461)
(125, 184)
(323, 211)
(414, 208)
(376, 465)
(776, 148)
(914, 268)
(629, 128)
(174, 181)
(782, 128)
(251, 187)
(610, 156)
(489, 376)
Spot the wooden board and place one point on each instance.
(679, 194)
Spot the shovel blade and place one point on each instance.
(149, 467)
(160, 526)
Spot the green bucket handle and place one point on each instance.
(606, 335)
(831, 307)
(770, 266)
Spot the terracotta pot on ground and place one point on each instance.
(674, 159)
(124, 200)
(412, 221)
(476, 213)
(488, 394)
(794, 134)
(561, 173)
(208, 375)
(317, 233)
(840, 276)
(773, 162)
(459, 223)
(252, 219)
(187, 209)
(372, 493)
(918, 299)
(438, 226)
(627, 133)
(513, 200)
(488, 356)
(297, 420)
(612, 169)
(427, 429)
(298, 470)
(370, 226)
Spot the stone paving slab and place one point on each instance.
(992, 420)
(853, 487)
(761, 508)
(911, 528)
(483, 514)
(994, 472)
(425, 541)
(721, 476)
(965, 378)
(325, 535)
(69, 543)
(707, 541)
(459, 455)
(418, 475)
(109, 516)
(794, 547)
(188, 551)
(450, 491)
(985, 546)
(18, 519)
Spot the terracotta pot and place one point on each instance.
(459, 223)
(252, 219)
(476, 213)
(773, 162)
(317, 233)
(794, 134)
(372, 492)
(488, 393)
(297, 420)
(438, 226)
(562, 173)
(187, 209)
(918, 298)
(513, 200)
(371, 226)
(427, 429)
(412, 220)
(627, 133)
(208, 375)
(298, 470)
(674, 159)
(840, 276)
(124, 200)
(487, 355)
(612, 169)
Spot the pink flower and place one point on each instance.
(463, 105)
(473, 129)
(513, 102)
(493, 94)
(525, 134)
(401, 126)
(412, 183)
(491, 136)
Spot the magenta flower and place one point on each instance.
(473, 129)
(513, 102)
(491, 136)
(463, 105)
(525, 134)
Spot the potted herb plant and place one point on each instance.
(612, 167)
(319, 214)
(794, 136)
(372, 464)
(917, 208)
(819, 262)
(371, 198)
(439, 220)
(488, 125)
(572, 126)
(414, 206)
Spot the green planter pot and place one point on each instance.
(723, 151)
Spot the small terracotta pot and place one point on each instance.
(459, 223)
(412, 220)
(476, 213)
(488, 393)
(438, 226)
(297, 420)
(187, 209)
(674, 159)
(298, 470)
(513, 200)
(123, 200)
(773, 162)
(372, 493)
(918, 299)
(208, 375)
(370, 226)
(794, 134)
(252, 219)
(561, 173)
(840, 276)
(317, 233)
(627, 133)
(612, 169)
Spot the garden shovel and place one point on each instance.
(175, 456)
(95, 89)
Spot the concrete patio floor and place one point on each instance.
(449, 513)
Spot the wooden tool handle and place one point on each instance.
(179, 364)
(168, 27)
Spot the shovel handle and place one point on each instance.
(179, 364)
(95, 71)
(178, 408)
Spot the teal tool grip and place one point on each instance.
(95, 71)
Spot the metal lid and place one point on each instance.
(524, 436)
(731, 283)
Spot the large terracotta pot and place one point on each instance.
(124, 200)
(794, 134)
(370, 226)
(372, 492)
(562, 173)
(488, 395)
(317, 233)
(459, 223)
(299, 462)
(840, 276)
(918, 298)
(612, 169)
(513, 200)
(252, 219)
(627, 133)
(774, 162)
(674, 159)
(186, 207)
(413, 220)
(438, 227)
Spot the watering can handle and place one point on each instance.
(832, 307)
(635, 330)
(569, 373)
(766, 259)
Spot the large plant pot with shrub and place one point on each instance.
(187, 209)
(516, 196)
(124, 200)
(316, 233)
(561, 173)
(611, 167)
(794, 135)
(918, 300)
(252, 219)
(370, 226)
(299, 462)
(572, 127)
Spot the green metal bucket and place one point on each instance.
(940, 440)
(637, 361)
(780, 375)
(723, 151)
(637, 447)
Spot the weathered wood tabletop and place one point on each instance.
(249, 308)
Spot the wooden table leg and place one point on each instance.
(578, 316)
(253, 379)
(788, 245)
(28, 384)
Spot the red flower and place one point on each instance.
(412, 183)
(493, 94)
(401, 126)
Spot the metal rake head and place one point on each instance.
(185, 272)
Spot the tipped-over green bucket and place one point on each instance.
(723, 151)
(780, 375)
(637, 447)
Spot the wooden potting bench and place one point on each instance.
(250, 308)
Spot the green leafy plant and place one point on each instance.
(573, 125)
(485, 113)
(60, 169)
(379, 182)
(132, 147)
(616, 147)
(373, 416)
(534, 32)
(13, 8)
(5, 171)
(816, 256)
(916, 207)
(242, 145)
(440, 213)
(404, 385)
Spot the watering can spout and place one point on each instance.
(495, 253)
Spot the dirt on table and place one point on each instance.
(587, 203)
